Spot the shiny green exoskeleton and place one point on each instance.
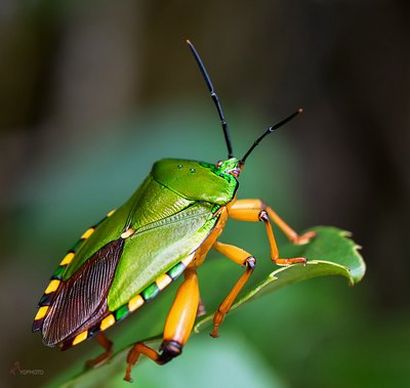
(164, 230)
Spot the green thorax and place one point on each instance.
(198, 181)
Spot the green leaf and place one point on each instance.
(237, 356)
(331, 252)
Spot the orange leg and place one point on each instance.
(241, 257)
(254, 210)
(102, 358)
(178, 326)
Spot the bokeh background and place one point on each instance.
(92, 93)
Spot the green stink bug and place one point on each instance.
(165, 229)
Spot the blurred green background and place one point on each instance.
(92, 93)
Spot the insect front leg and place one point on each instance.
(178, 326)
(243, 258)
(254, 210)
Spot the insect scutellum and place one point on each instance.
(232, 165)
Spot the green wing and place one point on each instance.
(93, 286)
(157, 247)
(150, 203)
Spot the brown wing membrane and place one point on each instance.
(81, 300)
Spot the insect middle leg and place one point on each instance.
(178, 326)
(241, 257)
(254, 210)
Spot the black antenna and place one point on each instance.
(269, 131)
(214, 96)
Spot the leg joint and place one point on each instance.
(263, 216)
(169, 350)
(250, 263)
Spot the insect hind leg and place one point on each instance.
(168, 351)
(178, 326)
(104, 357)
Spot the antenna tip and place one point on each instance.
(300, 110)
(188, 42)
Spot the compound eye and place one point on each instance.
(235, 172)
(219, 164)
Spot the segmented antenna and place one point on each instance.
(214, 97)
(269, 131)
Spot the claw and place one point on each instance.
(128, 377)
(215, 332)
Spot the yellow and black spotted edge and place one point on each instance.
(46, 300)
(133, 304)
(149, 293)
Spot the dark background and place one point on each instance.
(91, 94)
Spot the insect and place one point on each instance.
(164, 230)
